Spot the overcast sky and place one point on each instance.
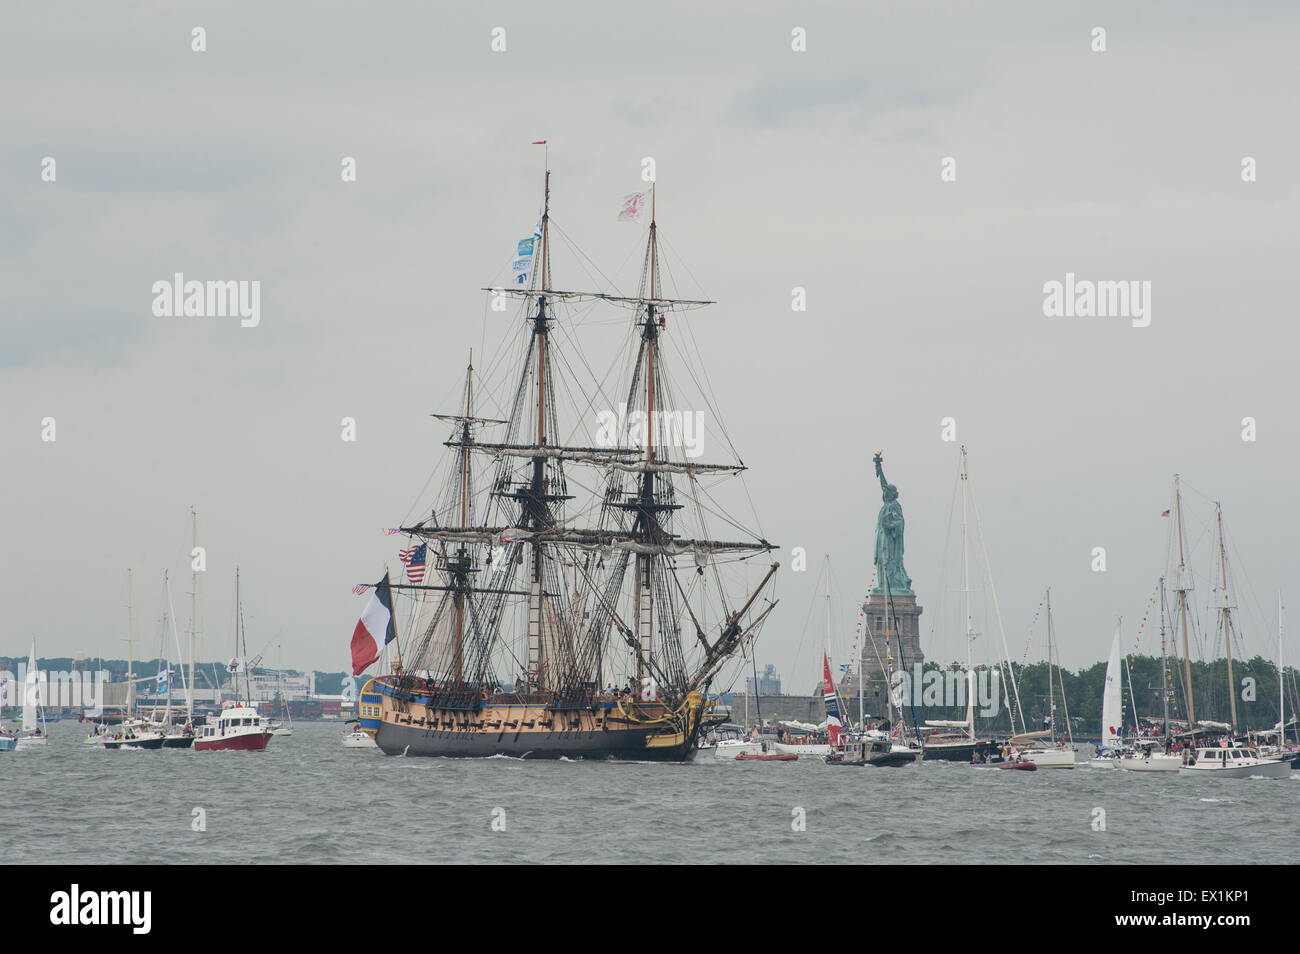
(776, 169)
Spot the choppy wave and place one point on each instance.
(309, 800)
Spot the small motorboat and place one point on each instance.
(749, 757)
(780, 757)
(872, 751)
(1234, 762)
(358, 738)
(1021, 766)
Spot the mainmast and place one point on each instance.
(1225, 605)
(1164, 659)
(536, 504)
(647, 518)
(464, 516)
(1051, 646)
(1183, 587)
(970, 625)
(194, 602)
(130, 654)
(1281, 686)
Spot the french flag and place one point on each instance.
(375, 629)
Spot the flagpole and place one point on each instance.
(397, 664)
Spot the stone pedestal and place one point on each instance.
(880, 644)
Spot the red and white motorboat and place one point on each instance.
(239, 726)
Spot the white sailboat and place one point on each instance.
(1279, 749)
(1041, 753)
(32, 734)
(1112, 712)
(277, 727)
(1146, 756)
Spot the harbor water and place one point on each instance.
(307, 799)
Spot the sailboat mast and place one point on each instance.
(167, 666)
(965, 588)
(1182, 605)
(1128, 670)
(1051, 694)
(1281, 686)
(1060, 681)
(828, 606)
(194, 603)
(130, 654)
(1164, 668)
(1225, 606)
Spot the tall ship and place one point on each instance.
(579, 602)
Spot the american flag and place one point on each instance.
(361, 588)
(414, 559)
(389, 531)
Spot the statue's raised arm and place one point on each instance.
(880, 471)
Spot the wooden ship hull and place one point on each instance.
(401, 723)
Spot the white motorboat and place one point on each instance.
(1234, 762)
(805, 748)
(727, 749)
(1151, 762)
(1147, 757)
(358, 739)
(1050, 757)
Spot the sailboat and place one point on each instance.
(32, 735)
(239, 726)
(1146, 755)
(553, 587)
(279, 728)
(1279, 749)
(806, 739)
(1112, 711)
(1051, 752)
(947, 746)
(132, 732)
(174, 736)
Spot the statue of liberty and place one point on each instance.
(889, 540)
